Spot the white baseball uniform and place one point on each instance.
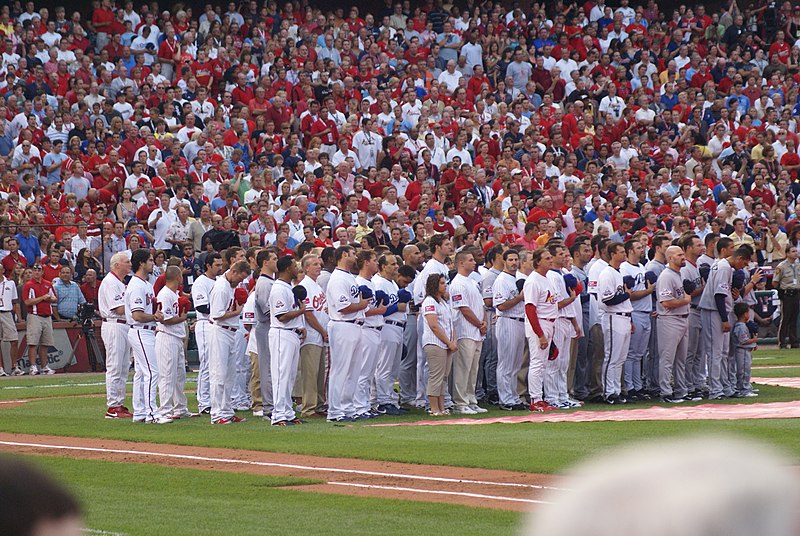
(114, 333)
(391, 346)
(616, 323)
(640, 338)
(368, 351)
(345, 337)
(284, 349)
(222, 344)
(201, 293)
(240, 394)
(140, 296)
(314, 350)
(538, 291)
(170, 357)
(555, 377)
(510, 334)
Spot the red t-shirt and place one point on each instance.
(33, 289)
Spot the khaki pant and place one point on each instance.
(465, 372)
(255, 383)
(312, 378)
(440, 360)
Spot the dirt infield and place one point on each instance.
(506, 490)
(770, 410)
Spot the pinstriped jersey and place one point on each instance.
(636, 271)
(110, 296)
(139, 296)
(595, 313)
(168, 304)
(201, 294)
(557, 280)
(431, 267)
(374, 320)
(503, 290)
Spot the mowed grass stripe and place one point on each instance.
(144, 500)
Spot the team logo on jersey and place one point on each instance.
(137, 301)
(666, 292)
(354, 291)
(457, 297)
(724, 286)
(592, 284)
(279, 303)
(550, 298)
(343, 299)
(430, 308)
(118, 297)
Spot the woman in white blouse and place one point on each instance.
(438, 340)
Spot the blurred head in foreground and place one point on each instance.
(33, 504)
(691, 487)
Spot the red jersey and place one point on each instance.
(33, 289)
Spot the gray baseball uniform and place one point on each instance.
(716, 342)
(695, 353)
(673, 326)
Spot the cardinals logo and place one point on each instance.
(550, 298)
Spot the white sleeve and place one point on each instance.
(279, 302)
(136, 298)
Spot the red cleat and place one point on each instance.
(222, 421)
(237, 419)
(118, 412)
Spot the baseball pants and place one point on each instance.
(640, 338)
(744, 360)
(222, 371)
(673, 334)
(118, 360)
(408, 362)
(538, 359)
(616, 339)
(145, 375)
(729, 360)
(510, 334)
(716, 344)
(579, 381)
(596, 352)
(264, 365)
(487, 370)
(368, 351)
(171, 375)
(284, 351)
(465, 372)
(695, 353)
(201, 335)
(555, 371)
(345, 365)
(650, 363)
(312, 376)
(388, 367)
(240, 394)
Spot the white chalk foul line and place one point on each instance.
(440, 492)
(275, 464)
(59, 385)
(104, 532)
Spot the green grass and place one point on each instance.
(146, 500)
(519, 447)
(773, 356)
(27, 387)
(782, 372)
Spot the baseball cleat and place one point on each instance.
(342, 419)
(48, 371)
(222, 421)
(237, 419)
(477, 409)
(162, 420)
(118, 412)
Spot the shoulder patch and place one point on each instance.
(430, 308)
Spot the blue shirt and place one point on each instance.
(69, 297)
(29, 247)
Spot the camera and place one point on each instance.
(85, 313)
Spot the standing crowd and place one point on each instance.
(531, 207)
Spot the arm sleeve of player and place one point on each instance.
(533, 318)
(719, 301)
(617, 298)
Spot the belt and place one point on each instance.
(115, 321)
(202, 320)
(693, 306)
(148, 328)
(622, 314)
(379, 328)
(223, 327)
(518, 319)
(396, 323)
(6, 312)
(357, 322)
(674, 316)
(41, 316)
(549, 319)
(297, 331)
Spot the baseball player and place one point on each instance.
(389, 281)
(286, 332)
(641, 291)
(240, 393)
(370, 342)
(201, 292)
(655, 267)
(487, 370)
(314, 348)
(224, 310)
(565, 329)
(441, 247)
(716, 303)
(581, 253)
(346, 310)
(508, 303)
(470, 328)
(616, 306)
(9, 310)
(142, 316)
(412, 264)
(673, 327)
(114, 332)
(695, 351)
(267, 259)
(541, 311)
(595, 351)
(170, 357)
(249, 324)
